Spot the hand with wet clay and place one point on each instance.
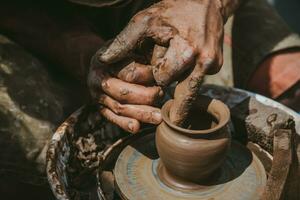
(192, 31)
(124, 93)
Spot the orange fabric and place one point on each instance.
(276, 74)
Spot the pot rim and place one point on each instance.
(221, 123)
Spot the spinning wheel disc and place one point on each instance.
(241, 177)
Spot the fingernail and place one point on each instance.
(157, 116)
(131, 126)
(101, 52)
(104, 57)
(104, 84)
(161, 93)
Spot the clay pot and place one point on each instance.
(190, 157)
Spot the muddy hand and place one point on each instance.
(124, 101)
(192, 31)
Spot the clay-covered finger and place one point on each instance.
(186, 93)
(127, 40)
(126, 123)
(130, 93)
(136, 73)
(178, 58)
(158, 53)
(142, 113)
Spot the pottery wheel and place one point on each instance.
(241, 177)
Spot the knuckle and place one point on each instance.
(208, 59)
(117, 108)
(211, 61)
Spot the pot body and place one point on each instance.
(193, 157)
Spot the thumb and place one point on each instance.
(127, 40)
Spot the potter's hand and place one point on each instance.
(193, 32)
(123, 98)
